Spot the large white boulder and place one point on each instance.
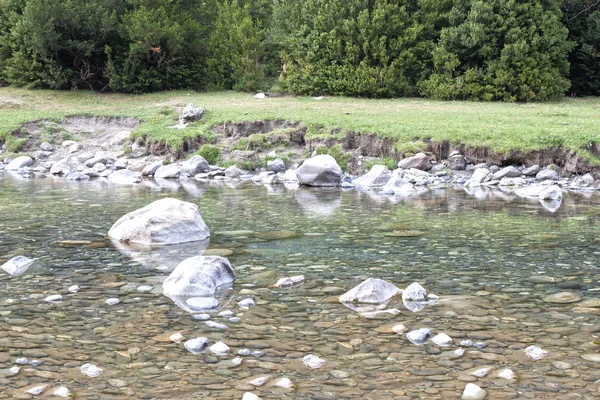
(533, 191)
(165, 221)
(124, 177)
(195, 165)
(19, 162)
(378, 175)
(478, 177)
(64, 166)
(190, 113)
(198, 277)
(168, 171)
(372, 290)
(17, 265)
(321, 170)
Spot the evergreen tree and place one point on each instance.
(582, 18)
(513, 50)
(375, 48)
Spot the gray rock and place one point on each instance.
(377, 176)
(414, 292)
(165, 221)
(371, 291)
(91, 172)
(276, 165)
(563, 298)
(99, 167)
(398, 184)
(532, 191)
(150, 169)
(419, 336)
(234, 172)
(531, 171)
(554, 192)
(170, 171)
(196, 345)
(121, 163)
(547, 174)
(473, 392)
(124, 177)
(582, 182)
(102, 159)
(321, 170)
(46, 146)
(74, 148)
(508, 172)
(195, 165)
(191, 113)
(19, 162)
(198, 276)
(418, 161)
(17, 265)
(535, 353)
(457, 163)
(77, 176)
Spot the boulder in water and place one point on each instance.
(378, 175)
(371, 291)
(195, 165)
(17, 265)
(321, 170)
(165, 221)
(168, 171)
(199, 277)
(19, 162)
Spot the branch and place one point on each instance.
(584, 10)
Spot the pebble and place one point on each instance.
(216, 325)
(418, 336)
(250, 396)
(246, 303)
(62, 391)
(91, 370)
(55, 298)
(507, 374)
(37, 390)
(202, 303)
(220, 349)
(312, 361)
(473, 392)
(285, 383)
(73, 289)
(535, 353)
(112, 301)
(196, 345)
(201, 317)
(441, 339)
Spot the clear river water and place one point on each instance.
(494, 260)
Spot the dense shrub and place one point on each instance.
(514, 50)
(582, 18)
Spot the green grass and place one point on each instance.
(571, 123)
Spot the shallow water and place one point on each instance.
(492, 258)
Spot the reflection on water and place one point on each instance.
(492, 257)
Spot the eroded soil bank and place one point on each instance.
(252, 143)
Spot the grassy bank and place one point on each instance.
(571, 123)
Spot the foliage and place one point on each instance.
(500, 50)
(236, 49)
(373, 48)
(211, 153)
(582, 18)
(391, 164)
(336, 151)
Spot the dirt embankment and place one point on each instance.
(258, 139)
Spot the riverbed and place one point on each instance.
(494, 260)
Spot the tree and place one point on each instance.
(373, 48)
(582, 18)
(512, 50)
(236, 49)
